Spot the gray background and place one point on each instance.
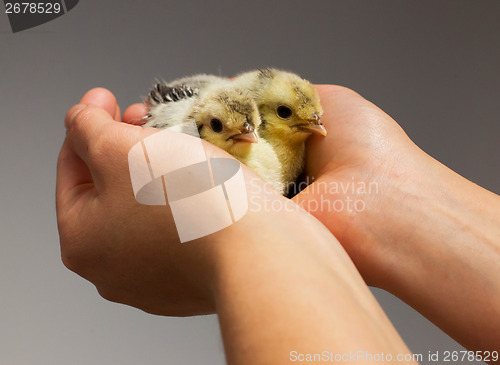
(432, 65)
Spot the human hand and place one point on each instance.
(356, 173)
(130, 251)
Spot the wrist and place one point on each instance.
(267, 235)
(429, 219)
(404, 218)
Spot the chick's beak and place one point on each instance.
(314, 126)
(247, 135)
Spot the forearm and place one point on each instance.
(444, 254)
(297, 293)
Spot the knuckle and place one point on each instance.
(79, 118)
(71, 114)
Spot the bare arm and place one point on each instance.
(450, 267)
(298, 293)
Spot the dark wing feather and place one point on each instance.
(162, 93)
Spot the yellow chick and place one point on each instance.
(290, 111)
(226, 116)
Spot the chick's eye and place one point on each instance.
(284, 112)
(216, 125)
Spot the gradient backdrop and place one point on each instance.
(432, 65)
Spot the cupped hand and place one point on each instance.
(132, 252)
(357, 172)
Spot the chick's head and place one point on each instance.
(289, 105)
(228, 118)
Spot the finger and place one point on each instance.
(87, 128)
(135, 114)
(104, 99)
(102, 143)
(72, 175)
